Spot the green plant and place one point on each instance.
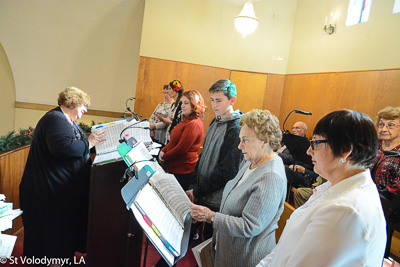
(14, 139)
(86, 128)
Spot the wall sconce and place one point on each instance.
(331, 28)
(246, 22)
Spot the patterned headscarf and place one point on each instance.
(176, 85)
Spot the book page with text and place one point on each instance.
(169, 188)
(160, 216)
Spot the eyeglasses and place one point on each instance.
(390, 125)
(314, 143)
(297, 128)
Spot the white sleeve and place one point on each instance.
(267, 260)
(335, 236)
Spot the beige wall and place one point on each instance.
(28, 117)
(203, 32)
(96, 44)
(91, 44)
(7, 96)
(367, 46)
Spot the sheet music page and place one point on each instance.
(111, 156)
(160, 216)
(113, 131)
(152, 236)
(7, 245)
(172, 192)
(140, 156)
(139, 130)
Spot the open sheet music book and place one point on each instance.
(166, 206)
(107, 150)
(159, 204)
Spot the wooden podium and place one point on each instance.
(114, 236)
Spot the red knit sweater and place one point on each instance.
(180, 154)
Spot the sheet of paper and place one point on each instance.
(7, 245)
(6, 221)
(152, 236)
(140, 156)
(167, 185)
(161, 216)
(113, 131)
(107, 157)
(122, 128)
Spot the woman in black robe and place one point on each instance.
(54, 190)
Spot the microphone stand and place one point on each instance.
(297, 111)
(283, 126)
(134, 115)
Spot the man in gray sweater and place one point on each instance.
(220, 159)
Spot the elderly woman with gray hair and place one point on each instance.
(252, 202)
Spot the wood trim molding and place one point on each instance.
(92, 112)
(338, 72)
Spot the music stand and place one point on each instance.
(297, 146)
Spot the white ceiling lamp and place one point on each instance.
(246, 22)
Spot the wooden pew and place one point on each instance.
(287, 211)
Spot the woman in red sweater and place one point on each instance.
(180, 154)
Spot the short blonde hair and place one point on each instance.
(73, 97)
(388, 113)
(265, 125)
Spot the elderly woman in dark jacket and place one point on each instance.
(54, 191)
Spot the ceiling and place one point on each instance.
(234, 2)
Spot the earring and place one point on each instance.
(343, 160)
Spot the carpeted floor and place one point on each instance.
(152, 255)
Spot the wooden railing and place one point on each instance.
(12, 165)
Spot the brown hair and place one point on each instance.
(73, 97)
(196, 102)
(388, 113)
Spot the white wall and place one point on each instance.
(203, 32)
(91, 44)
(367, 46)
(7, 99)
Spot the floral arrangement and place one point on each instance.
(24, 137)
(14, 139)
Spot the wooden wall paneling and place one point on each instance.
(321, 93)
(154, 73)
(387, 91)
(274, 93)
(250, 90)
(12, 166)
(299, 95)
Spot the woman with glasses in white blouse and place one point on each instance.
(342, 224)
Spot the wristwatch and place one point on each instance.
(212, 218)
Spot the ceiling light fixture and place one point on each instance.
(246, 22)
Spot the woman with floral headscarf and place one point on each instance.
(175, 91)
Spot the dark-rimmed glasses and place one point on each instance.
(314, 143)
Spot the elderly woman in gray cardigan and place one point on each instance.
(244, 228)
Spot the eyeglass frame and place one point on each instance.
(380, 126)
(316, 142)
